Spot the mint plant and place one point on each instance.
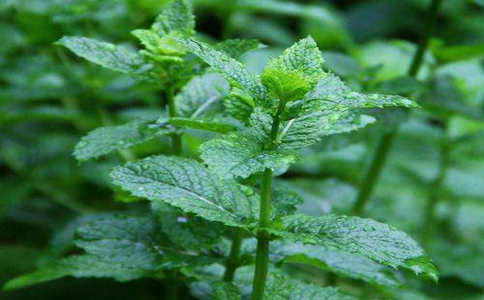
(292, 105)
(163, 63)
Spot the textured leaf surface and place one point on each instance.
(285, 200)
(132, 241)
(239, 105)
(240, 155)
(105, 140)
(236, 47)
(331, 92)
(309, 129)
(107, 55)
(228, 67)
(380, 242)
(225, 291)
(148, 38)
(188, 232)
(187, 184)
(351, 122)
(280, 288)
(176, 16)
(207, 125)
(201, 94)
(340, 262)
(76, 266)
(304, 57)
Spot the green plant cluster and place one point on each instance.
(149, 153)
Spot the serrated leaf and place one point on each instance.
(132, 241)
(105, 140)
(280, 288)
(303, 57)
(340, 262)
(207, 125)
(201, 94)
(187, 184)
(285, 85)
(188, 232)
(332, 94)
(236, 47)
(241, 155)
(76, 266)
(380, 242)
(306, 130)
(176, 16)
(228, 67)
(107, 55)
(148, 38)
(239, 105)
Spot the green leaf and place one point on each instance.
(236, 47)
(285, 201)
(225, 291)
(460, 52)
(290, 8)
(351, 122)
(187, 231)
(176, 16)
(380, 242)
(148, 38)
(239, 105)
(332, 93)
(107, 55)
(207, 125)
(241, 155)
(131, 241)
(279, 288)
(105, 140)
(187, 184)
(212, 289)
(76, 266)
(304, 58)
(201, 94)
(228, 67)
(340, 262)
(285, 85)
(309, 129)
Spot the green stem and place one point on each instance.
(263, 238)
(425, 39)
(233, 262)
(172, 113)
(262, 254)
(437, 187)
(372, 175)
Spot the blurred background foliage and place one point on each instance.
(49, 99)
